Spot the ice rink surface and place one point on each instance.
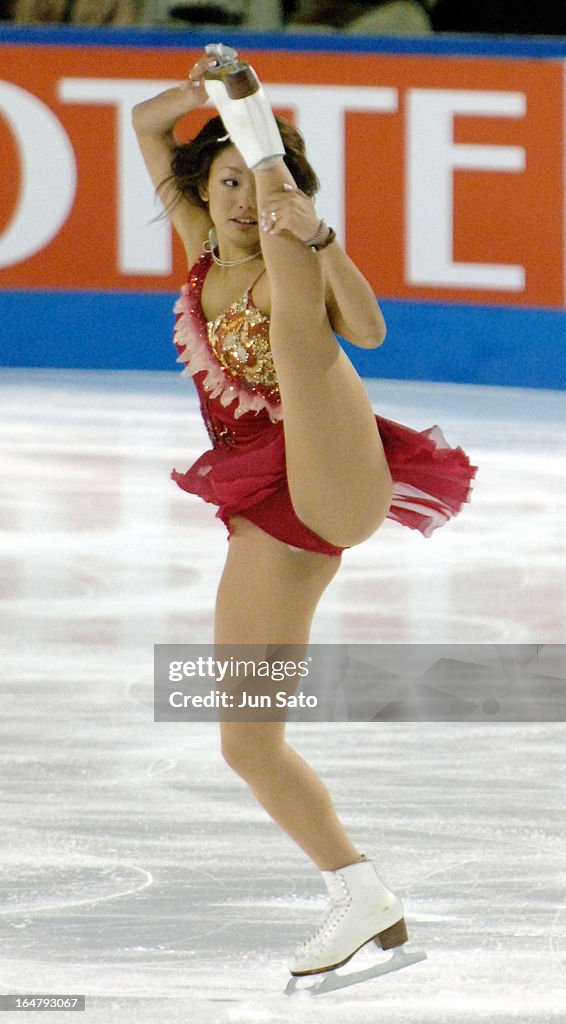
(135, 867)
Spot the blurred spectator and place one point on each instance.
(396, 17)
(388, 17)
(218, 12)
(523, 17)
(253, 14)
(78, 12)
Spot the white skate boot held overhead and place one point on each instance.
(361, 910)
(237, 94)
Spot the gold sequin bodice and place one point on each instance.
(239, 338)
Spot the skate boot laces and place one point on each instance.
(340, 903)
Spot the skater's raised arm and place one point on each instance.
(154, 123)
(352, 307)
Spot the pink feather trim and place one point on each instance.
(218, 382)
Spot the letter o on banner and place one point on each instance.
(48, 175)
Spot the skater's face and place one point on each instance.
(230, 194)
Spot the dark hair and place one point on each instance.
(191, 161)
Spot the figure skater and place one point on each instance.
(300, 467)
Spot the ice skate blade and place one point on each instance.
(332, 981)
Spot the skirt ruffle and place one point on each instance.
(431, 482)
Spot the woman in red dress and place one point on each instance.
(300, 468)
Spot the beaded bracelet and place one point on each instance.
(321, 239)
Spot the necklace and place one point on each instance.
(210, 246)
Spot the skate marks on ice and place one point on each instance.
(480, 825)
(99, 560)
(332, 981)
(28, 887)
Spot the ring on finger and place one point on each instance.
(273, 217)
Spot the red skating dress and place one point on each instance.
(244, 472)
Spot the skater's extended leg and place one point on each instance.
(267, 596)
(338, 476)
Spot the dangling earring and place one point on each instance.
(212, 242)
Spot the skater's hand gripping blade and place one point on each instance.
(332, 981)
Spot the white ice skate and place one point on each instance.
(362, 910)
(237, 94)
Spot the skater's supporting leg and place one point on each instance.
(268, 595)
(289, 790)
